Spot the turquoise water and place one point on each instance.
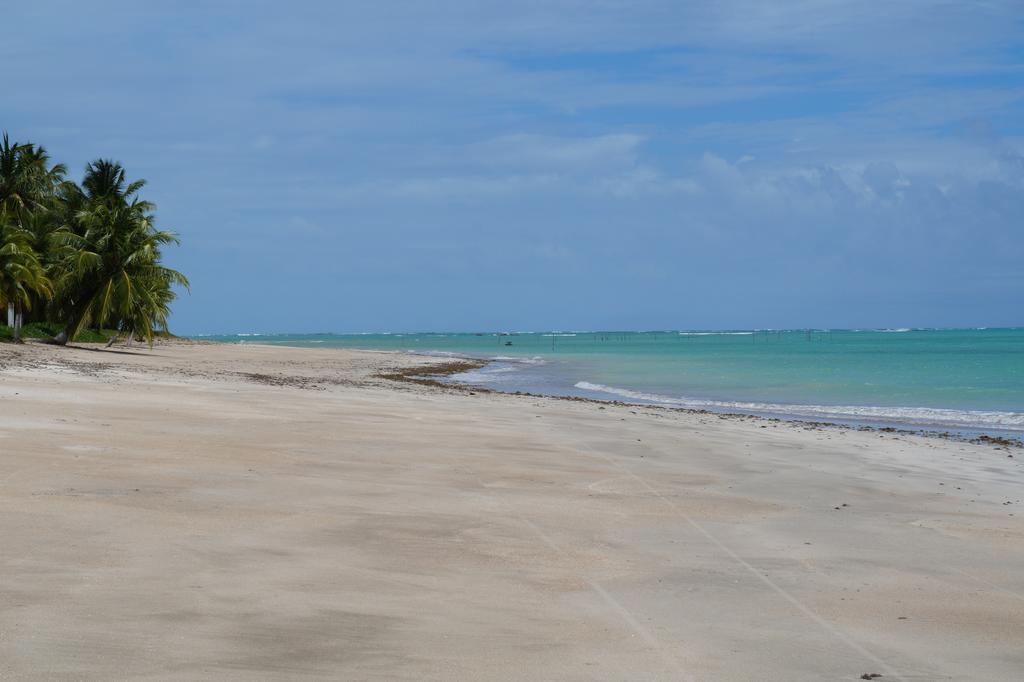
(955, 379)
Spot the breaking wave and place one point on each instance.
(919, 416)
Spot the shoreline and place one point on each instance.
(216, 510)
(454, 363)
(427, 376)
(924, 380)
(994, 435)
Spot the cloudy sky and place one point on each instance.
(362, 166)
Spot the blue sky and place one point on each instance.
(385, 166)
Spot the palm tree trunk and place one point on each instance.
(17, 324)
(65, 335)
(116, 336)
(10, 315)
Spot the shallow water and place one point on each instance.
(956, 379)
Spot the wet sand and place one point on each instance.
(198, 511)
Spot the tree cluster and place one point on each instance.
(80, 256)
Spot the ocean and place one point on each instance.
(961, 380)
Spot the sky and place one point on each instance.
(462, 166)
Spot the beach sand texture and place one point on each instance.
(201, 511)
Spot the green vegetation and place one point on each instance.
(79, 262)
(47, 330)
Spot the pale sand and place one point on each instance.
(164, 515)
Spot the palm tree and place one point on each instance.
(42, 228)
(27, 189)
(109, 271)
(149, 310)
(95, 245)
(22, 276)
(105, 181)
(26, 179)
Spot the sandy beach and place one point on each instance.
(202, 511)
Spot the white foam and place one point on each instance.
(535, 360)
(477, 375)
(922, 416)
(434, 353)
(715, 333)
